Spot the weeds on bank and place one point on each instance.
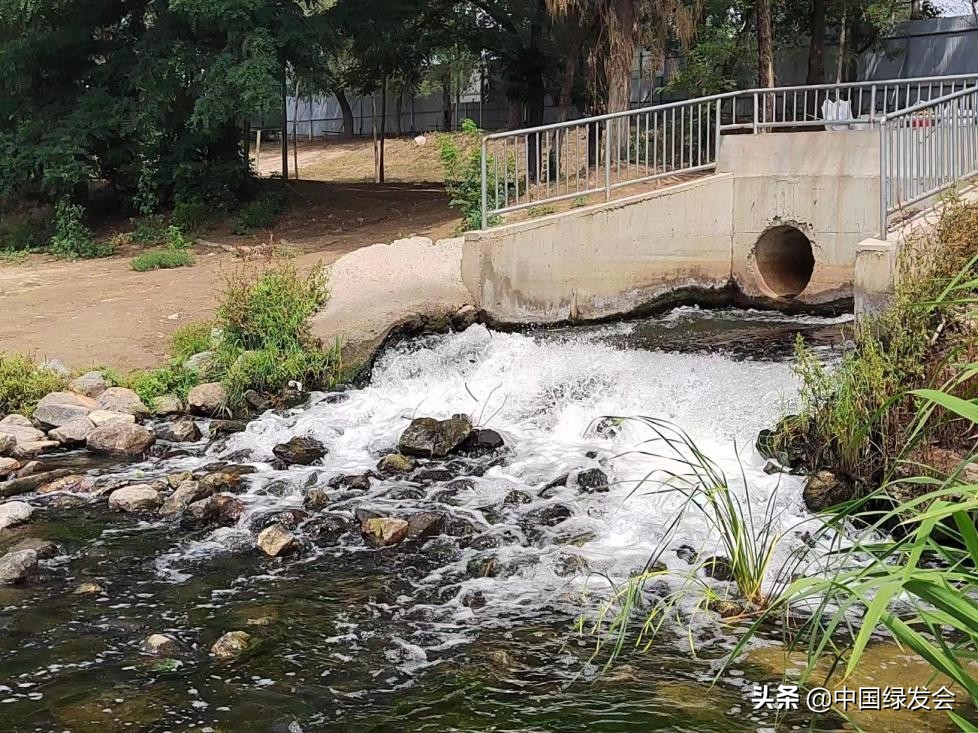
(174, 254)
(23, 383)
(71, 238)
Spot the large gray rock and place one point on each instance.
(8, 466)
(121, 399)
(231, 644)
(207, 398)
(276, 540)
(159, 645)
(167, 404)
(120, 439)
(224, 509)
(432, 438)
(101, 417)
(73, 432)
(7, 443)
(89, 384)
(395, 463)
(383, 531)
(31, 448)
(301, 450)
(135, 498)
(183, 496)
(13, 513)
(824, 489)
(181, 430)
(20, 428)
(45, 549)
(18, 566)
(200, 362)
(57, 408)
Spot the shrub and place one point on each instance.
(161, 259)
(190, 215)
(148, 230)
(190, 339)
(23, 383)
(71, 237)
(152, 383)
(262, 213)
(23, 232)
(463, 179)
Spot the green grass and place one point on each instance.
(23, 383)
(537, 211)
(190, 339)
(191, 215)
(262, 213)
(161, 259)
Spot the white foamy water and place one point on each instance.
(545, 396)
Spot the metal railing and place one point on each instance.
(538, 167)
(926, 149)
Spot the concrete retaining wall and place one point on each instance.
(612, 258)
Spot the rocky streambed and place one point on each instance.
(408, 555)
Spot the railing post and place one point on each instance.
(485, 188)
(716, 147)
(884, 179)
(607, 159)
(755, 112)
(872, 105)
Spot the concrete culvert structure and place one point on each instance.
(785, 261)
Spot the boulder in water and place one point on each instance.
(592, 480)
(516, 497)
(316, 498)
(482, 442)
(231, 645)
(547, 516)
(275, 540)
(8, 466)
(101, 417)
(166, 405)
(181, 430)
(424, 525)
(221, 481)
(120, 439)
(430, 438)
(73, 432)
(75, 483)
(185, 494)
(824, 489)
(57, 408)
(13, 513)
(159, 645)
(124, 400)
(45, 549)
(718, 568)
(550, 489)
(18, 566)
(135, 498)
(395, 463)
(207, 398)
(302, 450)
(32, 448)
(224, 509)
(384, 531)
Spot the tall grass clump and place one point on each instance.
(71, 238)
(174, 254)
(23, 382)
(855, 417)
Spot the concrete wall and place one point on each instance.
(613, 258)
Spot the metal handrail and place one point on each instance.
(683, 137)
(922, 155)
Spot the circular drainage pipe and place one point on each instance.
(785, 260)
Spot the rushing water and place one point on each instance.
(471, 631)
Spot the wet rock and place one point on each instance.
(787, 443)
(351, 481)
(175, 479)
(200, 362)
(73, 432)
(302, 450)
(181, 430)
(473, 599)
(122, 399)
(551, 488)
(221, 481)
(103, 417)
(89, 384)
(258, 402)
(45, 549)
(224, 509)
(316, 498)
(725, 607)
(7, 443)
(576, 537)
(207, 398)
(482, 442)
(234, 539)
(88, 587)
(718, 568)
(31, 448)
(28, 482)
(31, 468)
(547, 516)
(275, 540)
(430, 438)
(135, 498)
(159, 645)
(592, 480)
(568, 564)
(497, 567)
(424, 525)
(687, 553)
(395, 463)
(292, 518)
(608, 427)
(13, 513)
(406, 493)
(57, 408)
(8, 466)
(334, 398)
(225, 427)
(460, 527)
(772, 467)
(75, 483)
(232, 644)
(18, 566)
(120, 439)
(824, 489)
(166, 405)
(63, 502)
(432, 475)
(20, 429)
(517, 497)
(185, 494)
(384, 531)
(327, 528)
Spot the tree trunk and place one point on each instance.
(621, 30)
(816, 46)
(383, 129)
(514, 119)
(285, 126)
(398, 112)
(571, 63)
(347, 111)
(765, 45)
(446, 102)
(295, 133)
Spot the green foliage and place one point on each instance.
(23, 383)
(148, 230)
(578, 202)
(191, 215)
(23, 232)
(190, 339)
(858, 414)
(537, 211)
(161, 259)
(152, 383)
(262, 213)
(71, 238)
(463, 181)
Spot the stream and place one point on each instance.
(470, 630)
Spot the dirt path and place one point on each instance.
(101, 312)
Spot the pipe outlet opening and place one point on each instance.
(785, 260)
